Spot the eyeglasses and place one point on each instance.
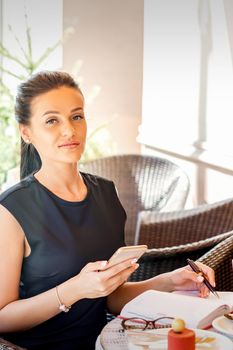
(135, 323)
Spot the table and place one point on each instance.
(112, 337)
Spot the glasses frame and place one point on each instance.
(148, 324)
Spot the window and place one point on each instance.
(188, 86)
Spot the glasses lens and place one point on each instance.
(134, 324)
(163, 322)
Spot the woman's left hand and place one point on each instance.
(186, 279)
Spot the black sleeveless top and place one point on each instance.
(64, 236)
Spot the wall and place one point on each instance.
(107, 46)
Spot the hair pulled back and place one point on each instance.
(36, 85)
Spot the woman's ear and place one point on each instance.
(25, 133)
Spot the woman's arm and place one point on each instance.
(17, 315)
(179, 279)
(130, 290)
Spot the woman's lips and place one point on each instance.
(69, 145)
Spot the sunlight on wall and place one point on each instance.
(171, 70)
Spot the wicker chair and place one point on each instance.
(179, 235)
(143, 183)
(220, 259)
(5, 345)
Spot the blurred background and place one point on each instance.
(156, 76)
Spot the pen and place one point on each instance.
(196, 269)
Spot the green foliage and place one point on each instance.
(9, 147)
(9, 135)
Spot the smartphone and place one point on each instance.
(127, 252)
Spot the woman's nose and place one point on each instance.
(68, 130)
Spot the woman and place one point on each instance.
(60, 227)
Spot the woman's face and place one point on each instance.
(57, 126)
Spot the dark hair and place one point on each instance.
(36, 85)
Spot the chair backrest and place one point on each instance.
(143, 183)
(159, 230)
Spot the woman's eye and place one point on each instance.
(51, 121)
(77, 117)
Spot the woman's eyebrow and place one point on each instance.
(76, 109)
(49, 112)
(57, 112)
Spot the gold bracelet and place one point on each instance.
(62, 306)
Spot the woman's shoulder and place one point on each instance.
(96, 180)
(99, 185)
(15, 189)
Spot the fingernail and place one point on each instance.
(136, 266)
(133, 261)
(200, 279)
(103, 263)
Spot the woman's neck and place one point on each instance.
(64, 181)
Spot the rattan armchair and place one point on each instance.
(176, 236)
(220, 259)
(143, 183)
(5, 345)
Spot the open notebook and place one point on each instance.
(197, 312)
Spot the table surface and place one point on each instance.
(113, 338)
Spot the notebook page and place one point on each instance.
(152, 304)
(225, 297)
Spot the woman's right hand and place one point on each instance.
(97, 280)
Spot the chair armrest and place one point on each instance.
(167, 229)
(6, 345)
(156, 261)
(220, 259)
(185, 248)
